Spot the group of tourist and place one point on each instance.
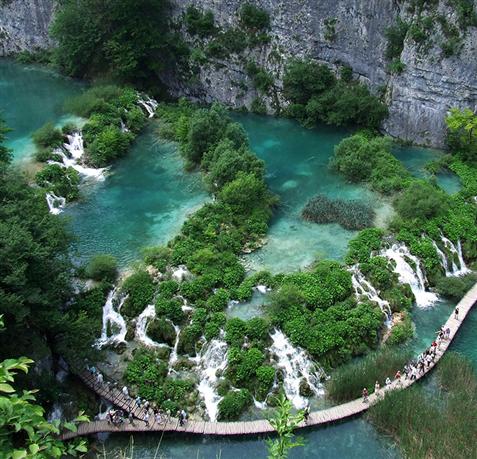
(415, 367)
(149, 413)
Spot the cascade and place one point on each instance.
(212, 360)
(407, 275)
(296, 364)
(56, 412)
(362, 287)
(455, 252)
(55, 203)
(149, 104)
(142, 321)
(442, 257)
(174, 356)
(114, 318)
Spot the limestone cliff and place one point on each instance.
(337, 32)
(24, 25)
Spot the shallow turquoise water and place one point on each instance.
(30, 96)
(143, 202)
(147, 197)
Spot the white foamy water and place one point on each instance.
(296, 365)
(362, 287)
(114, 319)
(174, 356)
(149, 104)
(56, 412)
(213, 358)
(56, 204)
(459, 269)
(416, 279)
(142, 322)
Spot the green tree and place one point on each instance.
(284, 422)
(462, 132)
(102, 267)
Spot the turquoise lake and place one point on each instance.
(147, 196)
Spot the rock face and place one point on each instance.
(24, 25)
(418, 98)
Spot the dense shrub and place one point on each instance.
(402, 331)
(110, 144)
(62, 181)
(48, 136)
(170, 309)
(347, 382)
(189, 337)
(198, 22)
(395, 36)
(265, 377)
(243, 364)
(421, 201)
(360, 247)
(262, 79)
(233, 404)
(159, 257)
(462, 133)
(140, 290)
(254, 18)
(161, 331)
(235, 331)
(102, 267)
(316, 95)
(455, 288)
(352, 215)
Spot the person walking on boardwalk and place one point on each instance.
(131, 418)
(125, 391)
(306, 413)
(388, 381)
(377, 387)
(146, 419)
(456, 314)
(365, 395)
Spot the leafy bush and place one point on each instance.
(265, 378)
(110, 144)
(396, 66)
(199, 23)
(62, 181)
(233, 405)
(352, 215)
(48, 136)
(159, 257)
(168, 288)
(395, 36)
(161, 331)
(140, 290)
(402, 331)
(254, 18)
(235, 332)
(455, 288)
(262, 79)
(102, 267)
(347, 382)
(170, 309)
(242, 365)
(189, 338)
(360, 247)
(421, 201)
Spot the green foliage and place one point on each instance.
(48, 136)
(421, 201)
(316, 95)
(189, 337)
(396, 66)
(243, 365)
(433, 426)
(363, 159)
(159, 257)
(161, 331)
(262, 79)
(361, 246)
(62, 181)
(395, 36)
(265, 377)
(38, 56)
(111, 143)
(284, 422)
(455, 288)
(352, 215)
(462, 133)
(330, 28)
(140, 290)
(254, 18)
(170, 309)
(102, 267)
(198, 22)
(24, 431)
(347, 382)
(233, 404)
(258, 106)
(128, 42)
(235, 332)
(402, 331)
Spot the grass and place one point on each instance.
(347, 382)
(436, 425)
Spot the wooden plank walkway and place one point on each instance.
(329, 415)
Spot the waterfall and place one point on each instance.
(296, 364)
(141, 326)
(56, 412)
(442, 257)
(263, 289)
(362, 287)
(149, 104)
(416, 279)
(124, 128)
(112, 317)
(174, 356)
(455, 252)
(55, 203)
(213, 359)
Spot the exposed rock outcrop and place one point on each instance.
(418, 98)
(24, 25)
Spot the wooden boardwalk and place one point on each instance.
(330, 415)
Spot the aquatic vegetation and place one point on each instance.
(353, 215)
(140, 290)
(439, 425)
(455, 287)
(102, 267)
(48, 136)
(347, 382)
(62, 181)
